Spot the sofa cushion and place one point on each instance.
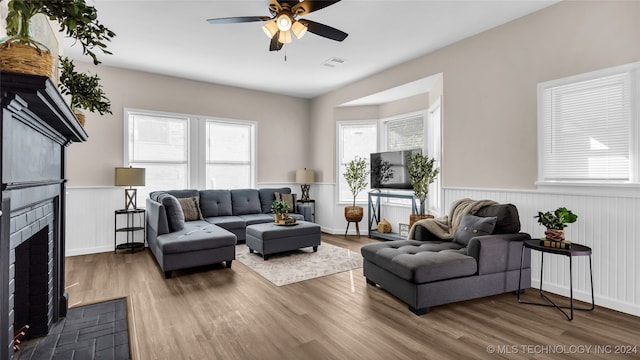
(267, 196)
(508, 221)
(227, 222)
(191, 208)
(175, 217)
(245, 201)
(196, 235)
(472, 226)
(184, 193)
(215, 203)
(420, 261)
(251, 219)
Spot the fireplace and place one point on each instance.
(36, 126)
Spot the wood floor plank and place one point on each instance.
(213, 312)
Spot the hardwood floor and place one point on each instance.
(218, 313)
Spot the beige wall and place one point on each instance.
(283, 122)
(489, 82)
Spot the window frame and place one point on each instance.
(603, 187)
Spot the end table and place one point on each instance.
(575, 250)
(132, 226)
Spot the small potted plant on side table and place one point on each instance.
(556, 222)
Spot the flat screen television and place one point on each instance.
(389, 169)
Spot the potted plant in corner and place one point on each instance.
(356, 176)
(422, 173)
(556, 222)
(85, 90)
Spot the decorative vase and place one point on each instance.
(353, 213)
(554, 235)
(278, 217)
(22, 54)
(415, 217)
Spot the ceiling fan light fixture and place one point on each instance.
(284, 37)
(270, 29)
(298, 29)
(284, 22)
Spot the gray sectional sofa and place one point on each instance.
(188, 228)
(482, 259)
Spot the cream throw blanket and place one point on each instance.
(446, 227)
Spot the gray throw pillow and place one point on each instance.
(191, 208)
(175, 216)
(472, 226)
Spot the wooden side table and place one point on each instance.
(576, 250)
(132, 226)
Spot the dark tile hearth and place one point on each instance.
(97, 331)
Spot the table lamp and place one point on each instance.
(305, 177)
(130, 177)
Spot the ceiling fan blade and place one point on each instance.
(238, 19)
(308, 6)
(324, 30)
(274, 6)
(275, 45)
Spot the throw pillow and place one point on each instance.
(290, 199)
(472, 226)
(175, 216)
(191, 208)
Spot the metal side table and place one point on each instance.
(130, 229)
(575, 250)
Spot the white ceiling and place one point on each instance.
(173, 38)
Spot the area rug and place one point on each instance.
(95, 331)
(300, 265)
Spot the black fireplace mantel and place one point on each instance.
(36, 126)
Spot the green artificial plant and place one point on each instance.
(77, 20)
(422, 173)
(85, 89)
(356, 176)
(557, 220)
(279, 207)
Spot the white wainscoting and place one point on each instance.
(90, 219)
(607, 224)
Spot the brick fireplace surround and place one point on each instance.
(37, 126)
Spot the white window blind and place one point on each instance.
(405, 134)
(587, 129)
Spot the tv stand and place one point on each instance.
(374, 214)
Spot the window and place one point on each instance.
(405, 133)
(354, 139)
(160, 144)
(588, 127)
(183, 151)
(229, 155)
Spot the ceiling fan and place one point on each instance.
(284, 20)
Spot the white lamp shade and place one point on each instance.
(129, 176)
(305, 176)
(270, 29)
(298, 29)
(284, 22)
(284, 37)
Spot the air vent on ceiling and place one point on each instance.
(333, 62)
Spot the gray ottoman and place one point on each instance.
(270, 238)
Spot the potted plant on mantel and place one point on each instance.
(20, 53)
(85, 90)
(356, 176)
(422, 173)
(556, 222)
